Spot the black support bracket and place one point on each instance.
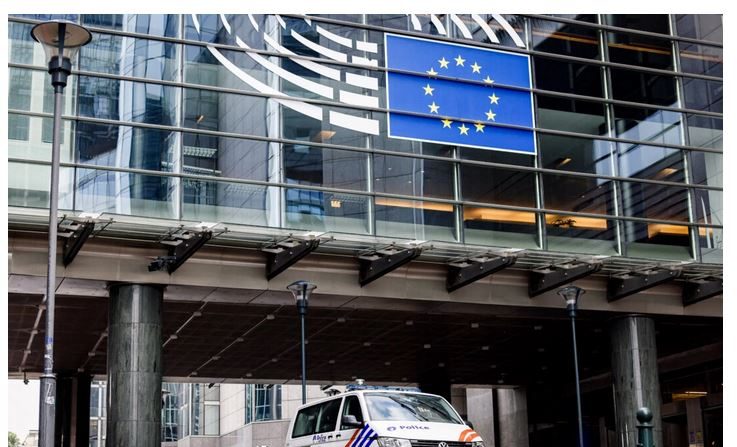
(76, 235)
(377, 264)
(469, 270)
(698, 290)
(624, 285)
(548, 278)
(182, 245)
(284, 254)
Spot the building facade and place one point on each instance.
(546, 148)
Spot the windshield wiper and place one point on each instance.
(410, 408)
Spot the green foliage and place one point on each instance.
(13, 440)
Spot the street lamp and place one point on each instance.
(302, 291)
(61, 41)
(571, 294)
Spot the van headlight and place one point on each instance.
(478, 444)
(393, 442)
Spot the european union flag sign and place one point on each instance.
(434, 82)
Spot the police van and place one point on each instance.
(370, 416)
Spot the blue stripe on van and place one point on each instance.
(360, 435)
(367, 439)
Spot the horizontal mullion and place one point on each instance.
(401, 32)
(362, 193)
(386, 152)
(534, 90)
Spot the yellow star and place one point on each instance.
(432, 72)
(488, 80)
(494, 99)
(490, 115)
(434, 107)
(476, 68)
(428, 90)
(463, 129)
(479, 127)
(459, 61)
(446, 123)
(443, 63)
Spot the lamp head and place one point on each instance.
(571, 294)
(301, 290)
(61, 40)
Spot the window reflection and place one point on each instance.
(706, 168)
(700, 94)
(650, 162)
(495, 185)
(326, 211)
(576, 154)
(705, 131)
(127, 101)
(413, 176)
(154, 24)
(654, 23)
(308, 165)
(498, 227)
(580, 79)
(127, 56)
(28, 142)
(700, 59)
(634, 49)
(28, 186)
(647, 88)
(571, 115)
(700, 26)
(661, 126)
(237, 203)
(126, 147)
(228, 157)
(561, 38)
(414, 219)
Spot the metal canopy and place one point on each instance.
(182, 245)
(698, 290)
(470, 270)
(377, 264)
(621, 286)
(554, 276)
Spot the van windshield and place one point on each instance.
(410, 407)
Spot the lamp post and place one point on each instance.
(61, 41)
(571, 294)
(302, 291)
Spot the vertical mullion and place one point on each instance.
(542, 237)
(458, 209)
(179, 117)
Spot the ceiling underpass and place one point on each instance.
(380, 342)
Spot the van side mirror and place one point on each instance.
(350, 420)
(469, 424)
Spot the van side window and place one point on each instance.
(306, 421)
(328, 416)
(352, 407)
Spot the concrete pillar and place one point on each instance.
(635, 377)
(512, 417)
(134, 365)
(72, 410)
(480, 410)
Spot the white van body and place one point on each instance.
(383, 418)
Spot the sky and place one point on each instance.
(22, 407)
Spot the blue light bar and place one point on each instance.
(354, 387)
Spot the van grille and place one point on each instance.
(424, 443)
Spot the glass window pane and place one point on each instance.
(124, 193)
(650, 162)
(306, 165)
(576, 154)
(580, 79)
(166, 25)
(414, 219)
(352, 407)
(94, 401)
(237, 203)
(654, 201)
(413, 176)
(709, 206)
(641, 51)
(127, 101)
(326, 211)
(700, 26)
(711, 242)
(126, 147)
(495, 185)
(232, 113)
(706, 168)
(305, 423)
(226, 157)
(578, 194)
(561, 38)
(479, 35)
(328, 416)
(34, 146)
(571, 115)
(658, 241)
(705, 131)
(35, 94)
(212, 419)
(127, 56)
(28, 186)
(581, 234)
(490, 156)
(646, 88)
(497, 227)
(703, 95)
(701, 59)
(590, 18)
(660, 126)
(654, 23)
(21, 45)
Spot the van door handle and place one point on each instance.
(338, 435)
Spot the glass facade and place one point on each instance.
(281, 121)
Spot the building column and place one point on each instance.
(134, 365)
(480, 410)
(511, 406)
(635, 376)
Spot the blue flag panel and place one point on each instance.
(456, 111)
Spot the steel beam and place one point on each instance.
(285, 254)
(181, 247)
(379, 263)
(473, 269)
(695, 291)
(621, 286)
(75, 239)
(549, 278)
